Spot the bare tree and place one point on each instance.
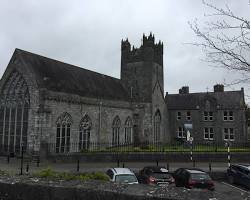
(226, 40)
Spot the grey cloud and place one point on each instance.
(88, 33)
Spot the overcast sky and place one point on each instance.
(88, 33)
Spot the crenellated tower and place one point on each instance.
(142, 68)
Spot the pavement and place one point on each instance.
(14, 165)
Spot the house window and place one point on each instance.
(188, 116)
(208, 116)
(208, 133)
(178, 115)
(181, 132)
(157, 126)
(128, 131)
(229, 134)
(228, 116)
(116, 131)
(63, 133)
(84, 133)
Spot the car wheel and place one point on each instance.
(231, 179)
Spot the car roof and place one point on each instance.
(122, 170)
(192, 170)
(246, 166)
(157, 169)
(195, 171)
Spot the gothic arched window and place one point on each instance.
(157, 126)
(63, 133)
(116, 131)
(84, 133)
(14, 111)
(128, 131)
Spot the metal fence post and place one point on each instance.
(168, 166)
(38, 161)
(210, 167)
(27, 167)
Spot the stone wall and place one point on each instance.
(17, 188)
(101, 112)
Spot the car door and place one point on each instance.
(241, 176)
(176, 176)
(245, 177)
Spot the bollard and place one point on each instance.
(193, 163)
(123, 165)
(157, 163)
(38, 162)
(210, 168)
(27, 168)
(118, 163)
(168, 166)
(78, 165)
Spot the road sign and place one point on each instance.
(188, 126)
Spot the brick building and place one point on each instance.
(46, 101)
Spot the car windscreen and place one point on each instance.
(125, 178)
(161, 175)
(200, 176)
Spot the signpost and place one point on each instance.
(190, 139)
(227, 144)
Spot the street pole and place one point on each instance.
(228, 155)
(191, 151)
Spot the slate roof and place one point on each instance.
(61, 77)
(226, 99)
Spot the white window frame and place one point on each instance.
(188, 117)
(210, 132)
(208, 116)
(178, 115)
(229, 132)
(181, 132)
(228, 115)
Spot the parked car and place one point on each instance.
(122, 175)
(193, 178)
(239, 173)
(155, 175)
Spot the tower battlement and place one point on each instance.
(148, 51)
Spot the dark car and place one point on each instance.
(155, 175)
(193, 178)
(239, 174)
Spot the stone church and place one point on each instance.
(45, 101)
(48, 101)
